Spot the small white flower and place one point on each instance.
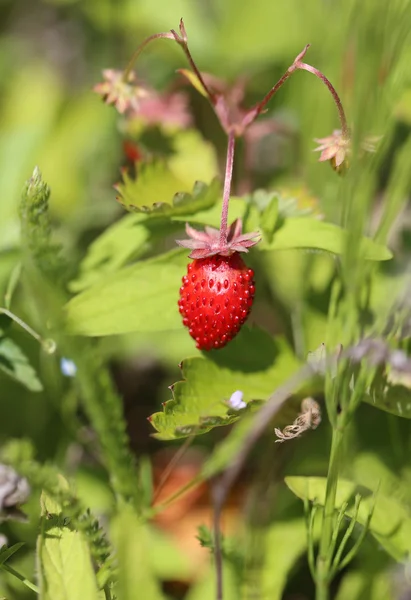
(68, 367)
(236, 401)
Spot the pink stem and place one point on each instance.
(227, 187)
(258, 108)
(341, 113)
(184, 45)
(298, 64)
(167, 35)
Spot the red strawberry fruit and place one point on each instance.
(218, 291)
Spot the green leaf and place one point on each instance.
(124, 241)
(194, 80)
(141, 297)
(200, 401)
(204, 587)
(152, 190)
(280, 557)
(194, 158)
(390, 523)
(391, 394)
(305, 232)
(64, 563)
(135, 578)
(363, 585)
(8, 552)
(15, 364)
(212, 216)
(269, 217)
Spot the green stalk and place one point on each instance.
(324, 559)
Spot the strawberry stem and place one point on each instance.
(298, 64)
(343, 120)
(182, 41)
(227, 187)
(156, 36)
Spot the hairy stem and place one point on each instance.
(260, 106)
(227, 187)
(323, 559)
(343, 120)
(299, 65)
(156, 36)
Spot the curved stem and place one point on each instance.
(259, 107)
(227, 187)
(156, 36)
(343, 120)
(298, 64)
(190, 59)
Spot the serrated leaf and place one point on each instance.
(141, 297)
(64, 563)
(136, 579)
(309, 233)
(200, 401)
(15, 364)
(157, 191)
(390, 523)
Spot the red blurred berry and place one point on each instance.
(216, 298)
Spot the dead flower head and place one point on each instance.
(337, 147)
(309, 418)
(124, 95)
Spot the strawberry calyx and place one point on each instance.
(208, 242)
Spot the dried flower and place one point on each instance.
(124, 95)
(309, 418)
(334, 148)
(337, 147)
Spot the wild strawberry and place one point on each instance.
(218, 291)
(216, 298)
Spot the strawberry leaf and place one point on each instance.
(200, 401)
(309, 233)
(140, 297)
(149, 193)
(152, 190)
